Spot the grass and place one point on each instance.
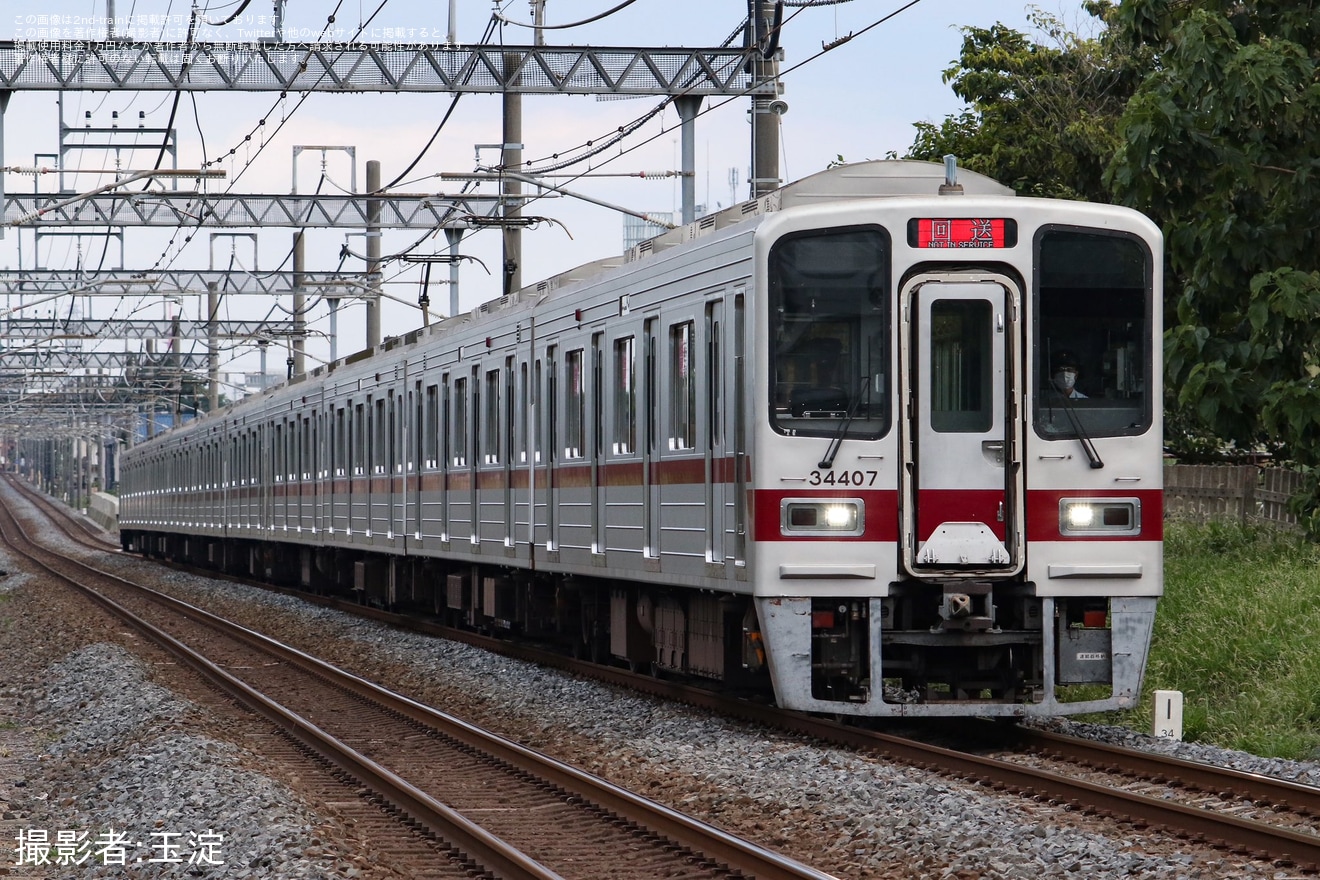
(1238, 632)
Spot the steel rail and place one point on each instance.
(1257, 787)
(734, 852)
(1217, 829)
(473, 841)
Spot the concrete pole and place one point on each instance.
(4, 105)
(212, 346)
(299, 303)
(176, 347)
(334, 327)
(688, 107)
(766, 110)
(373, 252)
(453, 236)
(92, 461)
(511, 160)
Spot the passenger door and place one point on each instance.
(962, 475)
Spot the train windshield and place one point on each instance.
(1092, 334)
(829, 333)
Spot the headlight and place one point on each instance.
(1099, 516)
(815, 516)
(1080, 516)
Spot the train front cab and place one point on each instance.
(965, 539)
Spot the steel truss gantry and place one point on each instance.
(145, 328)
(376, 67)
(31, 361)
(186, 282)
(178, 208)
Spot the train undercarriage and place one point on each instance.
(938, 643)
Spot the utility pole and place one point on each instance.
(763, 39)
(511, 160)
(212, 346)
(300, 303)
(373, 251)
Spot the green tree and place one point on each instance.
(1041, 117)
(1203, 115)
(1218, 145)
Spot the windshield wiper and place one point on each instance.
(1085, 439)
(828, 461)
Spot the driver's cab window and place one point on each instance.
(829, 333)
(1091, 350)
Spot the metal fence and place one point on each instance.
(1242, 492)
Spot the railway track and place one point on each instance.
(502, 809)
(1237, 811)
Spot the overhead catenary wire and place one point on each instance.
(713, 106)
(554, 27)
(614, 139)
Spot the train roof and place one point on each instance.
(882, 178)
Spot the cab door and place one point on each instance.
(962, 475)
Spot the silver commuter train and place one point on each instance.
(886, 443)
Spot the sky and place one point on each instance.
(858, 100)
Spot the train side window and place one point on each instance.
(395, 434)
(715, 376)
(551, 402)
(625, 396)
(446, 424)
(359, 428)
(682, 389)
(306, 449)
(509, 438)
(379, 427)
(1091, 354)
(340, 442)
(416, 421)
(474, 407)
(459, 426)
(491, 452)
(332, 443)
(597, 392)
(521, 437)
(538, 422)
(431, 432)
(574, 405)
(279, 453)
(650, 387)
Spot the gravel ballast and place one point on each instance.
(853, 815)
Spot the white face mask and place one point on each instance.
(1064, 380)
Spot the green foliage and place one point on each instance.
(1202, 115)
(1218, 147)
(1040, 118)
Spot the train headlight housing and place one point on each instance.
(1099, 516)
(833, 517)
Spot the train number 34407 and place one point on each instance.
(843, 478)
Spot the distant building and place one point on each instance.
(637, 230)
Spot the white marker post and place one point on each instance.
(1168, 715)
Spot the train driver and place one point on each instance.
(1063, 374)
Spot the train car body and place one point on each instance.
(892, 451)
